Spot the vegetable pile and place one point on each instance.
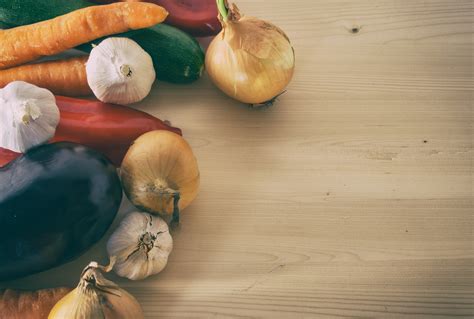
(65, 161)
(198, 18)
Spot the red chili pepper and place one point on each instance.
(108, 128)
(197, 17)
(6, 156)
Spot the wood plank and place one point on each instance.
(351, 197)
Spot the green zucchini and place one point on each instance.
(4, 25)
(177, 57)
(21, 12)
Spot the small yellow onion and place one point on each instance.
(160, 174)
(250, 60)
(96, 297)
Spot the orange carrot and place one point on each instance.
(15, 304)
(27, 43)
(62, 77)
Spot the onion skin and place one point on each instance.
(158, 165)
(96, 297)
(250, 60)
(118, 309)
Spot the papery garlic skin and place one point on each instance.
(96, 297)
(141, 245)
(120, 71)
(29, 116)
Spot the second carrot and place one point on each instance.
(63, 77)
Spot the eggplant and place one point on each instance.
(56, 201)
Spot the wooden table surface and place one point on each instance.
(351, 197)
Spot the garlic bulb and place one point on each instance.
(29, 116)
(140, 246)
(96, 297)
(120, 71)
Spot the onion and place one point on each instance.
(160, 174)
(250, 60)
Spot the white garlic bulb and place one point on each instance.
(140, 246)
(120, 71)
(29, 116)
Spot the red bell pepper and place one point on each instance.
(197, 17)
(108, 128)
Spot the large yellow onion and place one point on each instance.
(160, 174)
(250, 60)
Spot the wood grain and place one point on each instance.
(351, 197)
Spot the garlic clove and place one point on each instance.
(29, 116)
(141, 246)
(135, 267)
(120, 71)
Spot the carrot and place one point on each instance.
(37, 304)
(62, 77)
(27, 43)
